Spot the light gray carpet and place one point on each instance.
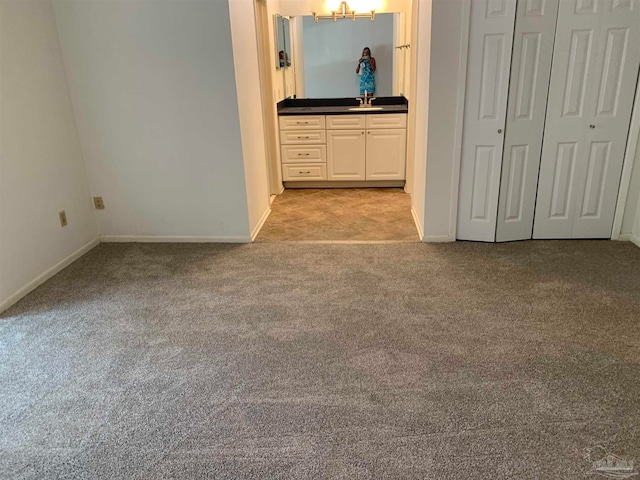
(398, 361)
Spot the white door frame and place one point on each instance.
(462, 91)
(627, 166)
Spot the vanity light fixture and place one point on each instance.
(344, 12)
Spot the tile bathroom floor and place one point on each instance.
(340, 214)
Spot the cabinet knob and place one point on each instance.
(499, 130)
(592, 126)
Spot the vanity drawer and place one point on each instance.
(304, 153)
(295, 122)
(346, 122)
(304, 172)
(297, 137)
(387, 120)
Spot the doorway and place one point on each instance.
(343, 173)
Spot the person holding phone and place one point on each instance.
(366, 68)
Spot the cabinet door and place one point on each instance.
(386, 151)
(345, 155)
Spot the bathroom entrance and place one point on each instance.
(338, 108)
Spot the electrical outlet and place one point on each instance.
(98, 203)
(63, 218)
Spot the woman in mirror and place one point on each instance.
(366, 69)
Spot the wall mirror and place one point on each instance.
(332, 52)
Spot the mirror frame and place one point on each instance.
(286, 34)
(278, 30)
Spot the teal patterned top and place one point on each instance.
(368, 78)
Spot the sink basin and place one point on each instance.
(364, 109)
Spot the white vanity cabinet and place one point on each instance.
(346, 159)
(303, 148)
(386, 152)
(342, 148)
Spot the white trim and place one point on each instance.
(629, 237)
(438, 239)
(627, 166)
(173, 239)
(40, 279)
(457, 140)
(260, 224)
(416, 220)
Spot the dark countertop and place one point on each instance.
(340, 106)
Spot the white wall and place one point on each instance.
(635, 231)
(446, 76)
(41, 167)
(245, 57)
(154, 93)
(331, 53)
(633, 198)
(418, 109)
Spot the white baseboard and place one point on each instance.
(258, 227)
(40, 279)
(173, 239)
(416, 220)
(438, 239)
(629, 237)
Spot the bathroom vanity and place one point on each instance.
(337, 142)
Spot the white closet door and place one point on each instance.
(595, 68)
(528, 89)
(490, 41)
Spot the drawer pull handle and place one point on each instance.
(303, 154)
(302, 123)
(304, 137)
(305, 173)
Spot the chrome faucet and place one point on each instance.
(367, 100)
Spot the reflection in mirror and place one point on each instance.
(280, 46)
(336, 63)
(286, 27)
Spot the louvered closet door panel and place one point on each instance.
(528, 88)
(593, 79)
(490, 41)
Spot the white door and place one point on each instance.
(345, 155)
(528, 89)
(386, 152)
(593, 79)
(490, 40)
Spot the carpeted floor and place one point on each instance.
(295, 361)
